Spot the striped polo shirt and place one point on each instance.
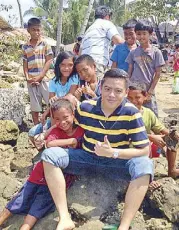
(35, 56)
(123, 128)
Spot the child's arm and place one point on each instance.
(130, 70)
(114, 64)
(155, 80)
(71, 142)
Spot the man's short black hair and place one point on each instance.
(117, 74)
(84, 57)
(177, 46)
(130, 24)
(144, 25)
(102, 12)
(34, 22)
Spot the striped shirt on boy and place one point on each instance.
(123, 128)
(35, 56)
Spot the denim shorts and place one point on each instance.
(152, 104)
(80, 162)
(37, 129)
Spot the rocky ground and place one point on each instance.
(92, 201)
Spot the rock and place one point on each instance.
(12, 66)
(9, 131)
(4, 85)
(93, 196)
(160, 167)
(91, 225)
(160, 224)
(8, 186)
(6, 156)
(11, 105)
(166, 199)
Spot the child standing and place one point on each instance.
(89, 84)
(155, 129)
(37, 58)
(175, 88)
(121, 51)
(34, 198)
(145, 63)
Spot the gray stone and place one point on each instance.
(160, 224)
(97, 194)
(6, 156)
(12, 105)
(9, 131)
(160, 167)
(166, 199)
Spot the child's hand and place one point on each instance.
(158, 140)
(39, 141)
(37, 79)
(74, 143)
(53, 99)
(78, 93)
(87, 90)
(148, 97)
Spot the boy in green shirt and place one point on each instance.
(155, 129)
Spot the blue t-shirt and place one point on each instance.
(61, 90)
(119, 56)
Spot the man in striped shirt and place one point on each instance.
(115, 145)
(37, 58)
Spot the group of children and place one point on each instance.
(77, 78)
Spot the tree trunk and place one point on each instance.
(59, 28)
(88, 12)
(174, 30)
(20, 14)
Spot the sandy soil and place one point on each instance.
(167, 102)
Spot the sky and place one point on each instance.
(25, 4)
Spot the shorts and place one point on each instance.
(37, 129)
(100, 71)
(36, 94)
(32, 199)
(152, 104)
(80, 162)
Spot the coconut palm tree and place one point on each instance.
(59, 27)
(20, 13)
(88, 12)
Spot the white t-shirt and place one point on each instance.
(97, 40)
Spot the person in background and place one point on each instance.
(175, 87)
(121, 51)
(76, 48)
(37, 58)
(97, 39)
(145, 63)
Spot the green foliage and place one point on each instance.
(9, 49)
(157, 10)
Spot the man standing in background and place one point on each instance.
(97, 39)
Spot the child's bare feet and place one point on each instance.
(174, 174)
(154, 185)
(5, 214)
(65, 224)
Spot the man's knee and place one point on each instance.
(56, 156)
(141, 166)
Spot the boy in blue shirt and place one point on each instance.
(145, 63)
(121, 51)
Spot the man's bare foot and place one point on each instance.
(174, 174)
(154, 185)
(65, 224)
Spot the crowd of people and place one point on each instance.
(98, 120)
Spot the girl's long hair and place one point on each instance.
(62, 56)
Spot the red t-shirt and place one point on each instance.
(37, 174)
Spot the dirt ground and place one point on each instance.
(168, 103)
